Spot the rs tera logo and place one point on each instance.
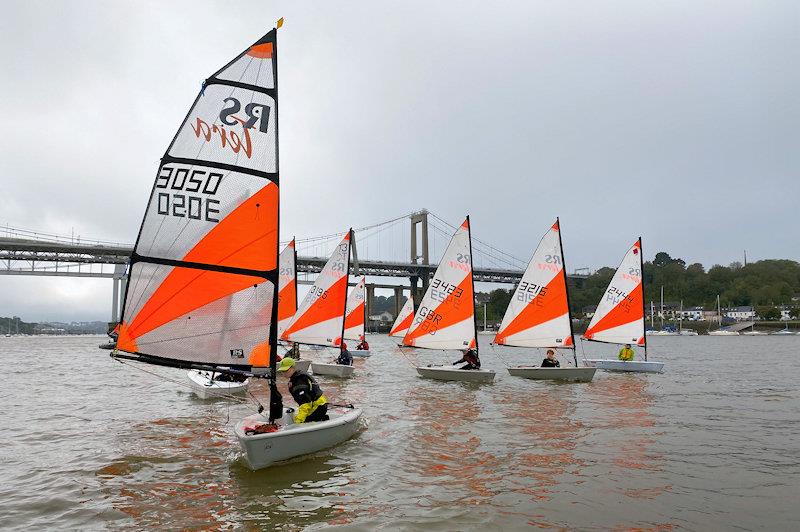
(255, 113)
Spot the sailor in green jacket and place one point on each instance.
(626, 353)
(313, 406)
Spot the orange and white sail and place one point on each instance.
(320, 318)
(445, 318)
(538, 314)
(204, 272)
(403, 321)
(356, 310)
(619, 318)
(287, 286)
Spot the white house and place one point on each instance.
(691, 314)
(740, 313)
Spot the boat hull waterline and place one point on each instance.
(555, 374)
(360, 353)
(632, 366)
(332, 370)
(205, 388)
(452, 374)
(295, 439)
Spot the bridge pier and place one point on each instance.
(398, 294)
(368, 302)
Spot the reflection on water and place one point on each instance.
(701, 447)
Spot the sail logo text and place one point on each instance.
(256, 113)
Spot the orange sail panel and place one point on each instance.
(355, 311)
(538, 313)
(619, 318)
(203, 278)
(320, 318)
(445, 318)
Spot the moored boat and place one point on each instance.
(208, 384)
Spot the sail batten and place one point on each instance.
(445, 318)
(202, 285)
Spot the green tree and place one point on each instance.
(768, 313)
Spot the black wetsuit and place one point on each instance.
(304, 389)
(472, 360)
(547, 363)
(345, 358)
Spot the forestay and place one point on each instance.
(445, 318)
(619, 318)
(355, 312)
(203, 276)
(320, 318)
(403, 321)
(287, 287)
(538, 314)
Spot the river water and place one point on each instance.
(713, 443)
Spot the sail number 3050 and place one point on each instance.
(187, 194)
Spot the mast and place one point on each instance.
(294, 241)
(346, 281)
(472, 279)
(641, 271)
(566, 289)
(662, 305)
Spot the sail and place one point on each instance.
(445, 318)
(538, 314)
(320, 318)
(403, 321)
(203, 276)
(354, 315)
(287, 286)
(619, 318)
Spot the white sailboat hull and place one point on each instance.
(204, 387)
(723, 333)
(360, 353)
(633, 366)
(555, 374)
(332, 370)
(302, 365)
(295, 439)
(453, 374)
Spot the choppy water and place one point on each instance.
(713, 443)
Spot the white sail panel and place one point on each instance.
(445, 318)
(354, 314)
(320, 318)
(403, 321)
(538, 313)
(619, 318)
(287, 287)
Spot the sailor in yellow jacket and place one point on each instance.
(626, 353)
(313, 406)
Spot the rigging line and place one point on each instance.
(411, 362)
(479, 240)
(497, 353)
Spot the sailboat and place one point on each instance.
(208, 247)
(619, 318)
(287, 295)
(403, 321)
(445, 318)
(355, 315)
(538, 314)
(320, 319)
(721, 331)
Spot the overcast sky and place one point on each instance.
(674, 120)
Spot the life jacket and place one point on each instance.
(304, 388)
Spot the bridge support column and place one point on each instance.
(115, 301)
(368, 303)
(118, 297)
(421, 218)
(398, 295)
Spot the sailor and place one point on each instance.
(312, 404)
(471, 358)
(363, 345)
(551, 361)
(345, 358)
(626, 353)
(294, 351)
